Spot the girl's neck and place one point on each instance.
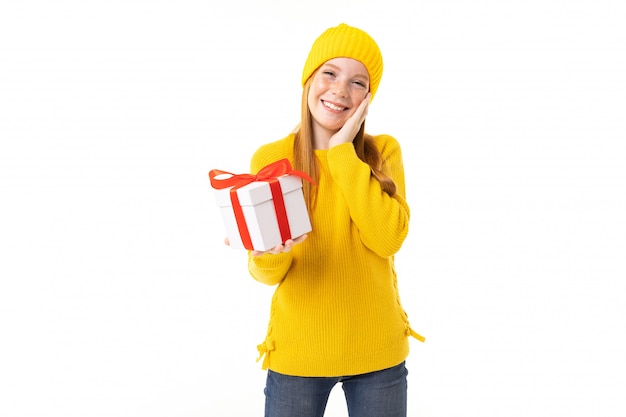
(321, 137)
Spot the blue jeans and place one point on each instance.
(375, 394)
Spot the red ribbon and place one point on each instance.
(269, 173)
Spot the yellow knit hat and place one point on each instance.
(346, 41)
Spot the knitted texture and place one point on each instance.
(345, 41)
(336, 309)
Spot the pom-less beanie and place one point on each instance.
(345, 41)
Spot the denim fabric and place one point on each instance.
(376, 394)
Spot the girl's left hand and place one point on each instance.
(349, 130)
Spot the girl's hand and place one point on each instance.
(281, 248)
(349, 130)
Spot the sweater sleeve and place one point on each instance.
(382, 220)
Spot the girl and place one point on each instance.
(336, 315)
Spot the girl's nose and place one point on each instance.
(339, 88)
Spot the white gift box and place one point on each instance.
(259, 212)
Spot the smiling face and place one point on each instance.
(338, 87)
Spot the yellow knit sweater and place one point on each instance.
(336, 310)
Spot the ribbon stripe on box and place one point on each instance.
(270, 174)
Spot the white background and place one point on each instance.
(117, 295)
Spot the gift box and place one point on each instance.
(264, 210)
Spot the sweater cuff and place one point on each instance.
(343, 151)
(268, 268)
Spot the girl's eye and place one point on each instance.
(329, 73)
(360, 84)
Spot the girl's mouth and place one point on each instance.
(332, 106)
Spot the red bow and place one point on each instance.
(273, 170)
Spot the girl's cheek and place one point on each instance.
(322, 84)
(357, 97)
(359, 93)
